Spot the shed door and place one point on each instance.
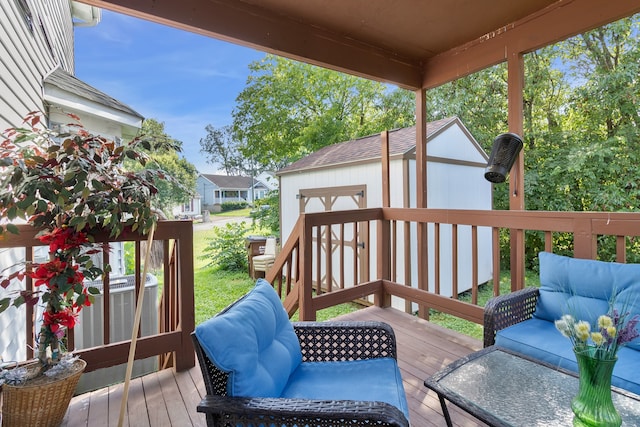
(347, 263)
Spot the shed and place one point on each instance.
(348, 175)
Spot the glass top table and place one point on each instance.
(502, 388)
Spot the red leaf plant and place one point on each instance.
(69, 186)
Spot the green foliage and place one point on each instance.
(289, 109)
(214, 289)
(164, 158)
(129, 258)
(221, 148)
(267, 212)
(581, 127)
(69, 186)
(77, 179)
(485, 292)
(226, 249)
(479, 100)
(233, 206)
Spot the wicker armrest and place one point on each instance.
(506, 310)
(334, 341)
(239, 412)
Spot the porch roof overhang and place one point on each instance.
(411, 43)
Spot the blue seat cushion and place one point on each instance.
(376, 380)
(254, 342)
(584, 289)
(541, 340)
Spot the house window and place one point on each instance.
(25, 11)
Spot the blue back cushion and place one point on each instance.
(254, 342)
(584, 288)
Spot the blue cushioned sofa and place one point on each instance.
(260, 369)
(523, 321)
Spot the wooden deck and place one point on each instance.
(167, 398)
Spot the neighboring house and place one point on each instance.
(36, 74)
(190, 209)
(213, 190)
(265, 182)
(348, 175)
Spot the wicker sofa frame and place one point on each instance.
(319, 341)
(506, 310)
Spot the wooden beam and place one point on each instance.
(515, 81)
(421, 194)
(386, 191)
(561, 20)
(247, 24)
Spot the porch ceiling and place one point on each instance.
(412, 43)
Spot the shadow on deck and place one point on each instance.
(167, 398)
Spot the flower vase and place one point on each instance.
(593, 406)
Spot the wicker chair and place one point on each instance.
(326, 341)
(506, 310)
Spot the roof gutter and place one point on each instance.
(84, 15)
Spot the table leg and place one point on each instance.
(445, 411)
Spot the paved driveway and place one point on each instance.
(219, 221)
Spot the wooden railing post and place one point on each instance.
(185, 356)
(383, 262)
(584, 239)
(305, 305)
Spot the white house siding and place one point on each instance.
(96, 125)
(25, 55)
(12, 344)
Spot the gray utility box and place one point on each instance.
(89, 330)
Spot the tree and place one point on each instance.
(289, 109)
(581, 123)
(164, 156)
(605, 63)
(223, 149)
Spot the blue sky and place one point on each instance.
(182, 79)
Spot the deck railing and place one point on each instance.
(405, 253)
(172, 341)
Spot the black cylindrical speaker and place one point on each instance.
(505, 149)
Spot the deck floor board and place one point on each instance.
(170, 398)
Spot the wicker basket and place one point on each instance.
(41, 401)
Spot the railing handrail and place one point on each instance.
(176, 340)
(585, 227)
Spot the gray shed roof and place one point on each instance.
(401, 141)
(65, 81)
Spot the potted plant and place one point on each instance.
(68, 186)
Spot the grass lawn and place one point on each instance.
(214, 290)
(484, 293)
(241, 212)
